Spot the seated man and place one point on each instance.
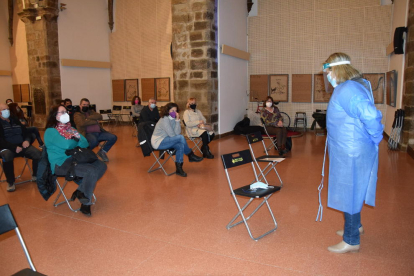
(150, 112)
(71, 111)
(15, 142)
(87, 124)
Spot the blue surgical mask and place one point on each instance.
(5, 113)
(153, 106)
(331, 80)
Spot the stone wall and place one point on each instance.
(43, 54)
(194, 27)
(408, 97)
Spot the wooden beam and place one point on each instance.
(5, 73)
(85, 63)
(230, 51)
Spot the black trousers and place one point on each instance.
(8, 164)
(206, 138)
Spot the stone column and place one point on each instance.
(43, 54)
(194, 28)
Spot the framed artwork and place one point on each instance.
(118, 88)
(162, 88)
(259, 87)
(377, 81)
(279, 87)
(319, 93)
(131, 89)
(17, 95)
(25, 90)
(148, 89)
(302, 88)
(391, 77)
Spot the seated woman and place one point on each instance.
(34, 131)
(136, 109)
(197, 127)
(167, 135)
(274, 123)
(59, 137)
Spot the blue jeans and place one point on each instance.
(351, 228)
(178, 143)
(95, 137)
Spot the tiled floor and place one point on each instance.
(150, 224)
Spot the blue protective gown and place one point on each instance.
(354, 132)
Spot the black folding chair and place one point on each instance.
(270, 160)
(240, 158)
(8, 223)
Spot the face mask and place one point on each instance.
(85, 108)
(69, 107)
(173, 114)
(64, 118)
(5, 113)
(269, 104)
(136, 101)
(193, 106)
(331, 80)
(152, 106)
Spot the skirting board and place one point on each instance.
(85, 63)
(5, 73)
(230, 51)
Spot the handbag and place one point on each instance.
(82, 155)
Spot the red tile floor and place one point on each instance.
(151, 224)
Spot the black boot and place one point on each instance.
(194, 158)
(206, 152)
(179, 169)
(86, 209)
(81, 196)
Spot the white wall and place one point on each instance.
(84, 35)
(5, 81)
(232, 72)
(399, 19)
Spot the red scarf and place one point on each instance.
(67, 131)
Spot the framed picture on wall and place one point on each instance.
(391, 77)
(162, 88)
(131, 89)
(118, 90)
(148, 89)
(25, 90)
(301, 88)
(279, 87)
(377, 81)
(259, 87)
(319, 93)
(17, 94)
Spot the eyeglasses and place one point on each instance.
(62, 112)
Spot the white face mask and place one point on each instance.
(64, 118)
(5, 113)
(269, 104)
(152, 106)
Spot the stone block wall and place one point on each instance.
(194, 28)
(408, 97)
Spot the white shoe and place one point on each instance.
(11, 188)
(343, 247)
(341, 232)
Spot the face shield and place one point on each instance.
(330, 83)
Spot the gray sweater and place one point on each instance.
(165, 128)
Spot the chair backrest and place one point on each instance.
(7, 222)
(254, 137)
(117, 107)
(235, 159)
(101, 111)
(126, 107)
